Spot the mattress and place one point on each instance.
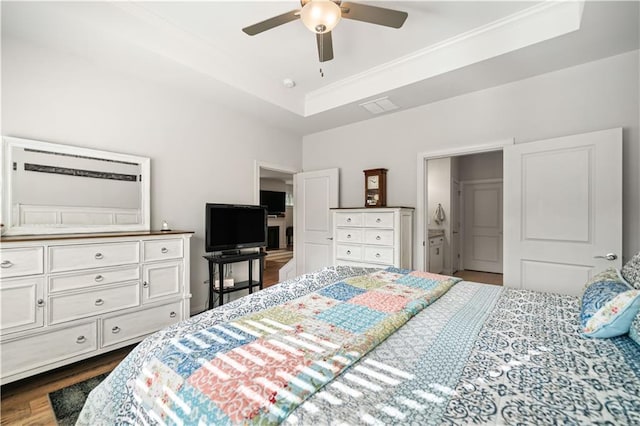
(479, 354)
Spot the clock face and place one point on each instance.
(372, 182)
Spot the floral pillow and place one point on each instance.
(608, 308)
(631, 271)
(634, 331)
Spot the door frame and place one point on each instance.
(461, 215)
(455, 261)
(422, 198)
(258, 165)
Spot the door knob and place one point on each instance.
(608, 256)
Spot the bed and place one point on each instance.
(456, 353)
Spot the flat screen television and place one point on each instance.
(274, 201)
(231, 226)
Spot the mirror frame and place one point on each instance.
(9, 143)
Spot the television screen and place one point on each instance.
(274, 201)
(234, 227)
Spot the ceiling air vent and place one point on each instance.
(380, 105)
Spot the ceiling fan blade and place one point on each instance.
(373, 14)
(272, 22)
(325, 46)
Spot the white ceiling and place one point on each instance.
(443, 50)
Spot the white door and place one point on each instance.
(563, 209)
(483, 226)
(315, 193)
(455, 227)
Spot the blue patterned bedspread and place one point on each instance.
(480, 354)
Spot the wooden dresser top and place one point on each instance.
(42, 237)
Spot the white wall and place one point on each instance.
(271, 184)
(200, 151)
(597, 95)
(487, 165)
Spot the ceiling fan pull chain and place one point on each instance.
(321, 54)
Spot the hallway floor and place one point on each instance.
(275, 260)
(480, 277)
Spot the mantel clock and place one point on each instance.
(375, 188)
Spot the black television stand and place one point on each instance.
(226, 258)
(228, 253)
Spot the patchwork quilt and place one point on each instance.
(260, 367)
(479, 354)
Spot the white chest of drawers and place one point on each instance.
(374, 237)
(64, 298)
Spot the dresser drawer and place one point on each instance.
(105, 299)
(348, 219)
(93, 278)
(347, 252)
(121, 328)
(378, 220)
(162, 249)
(18, 262)
(382, 237)
(349, 235)
(87, 256)
(382, 255)
(46, 348)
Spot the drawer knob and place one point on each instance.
(348, 251)
(348, 235)
(6, 264)
(81, 339)
(378, 220)
(378, 238)
(164, 250)
(145, 284)
(172, 314)
(115, 330)
(40, 303)
(378, 255)
(348, 220)
(98, 278)
(99, 302)
(99, 256)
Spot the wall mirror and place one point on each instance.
(49, 188)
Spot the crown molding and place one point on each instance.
(538, 23)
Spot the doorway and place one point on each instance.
(463, 220)
(274, 189)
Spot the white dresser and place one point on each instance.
(64, 298)
(375, 237)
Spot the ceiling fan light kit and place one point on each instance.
(322, 16)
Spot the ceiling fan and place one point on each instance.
(321, 16)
